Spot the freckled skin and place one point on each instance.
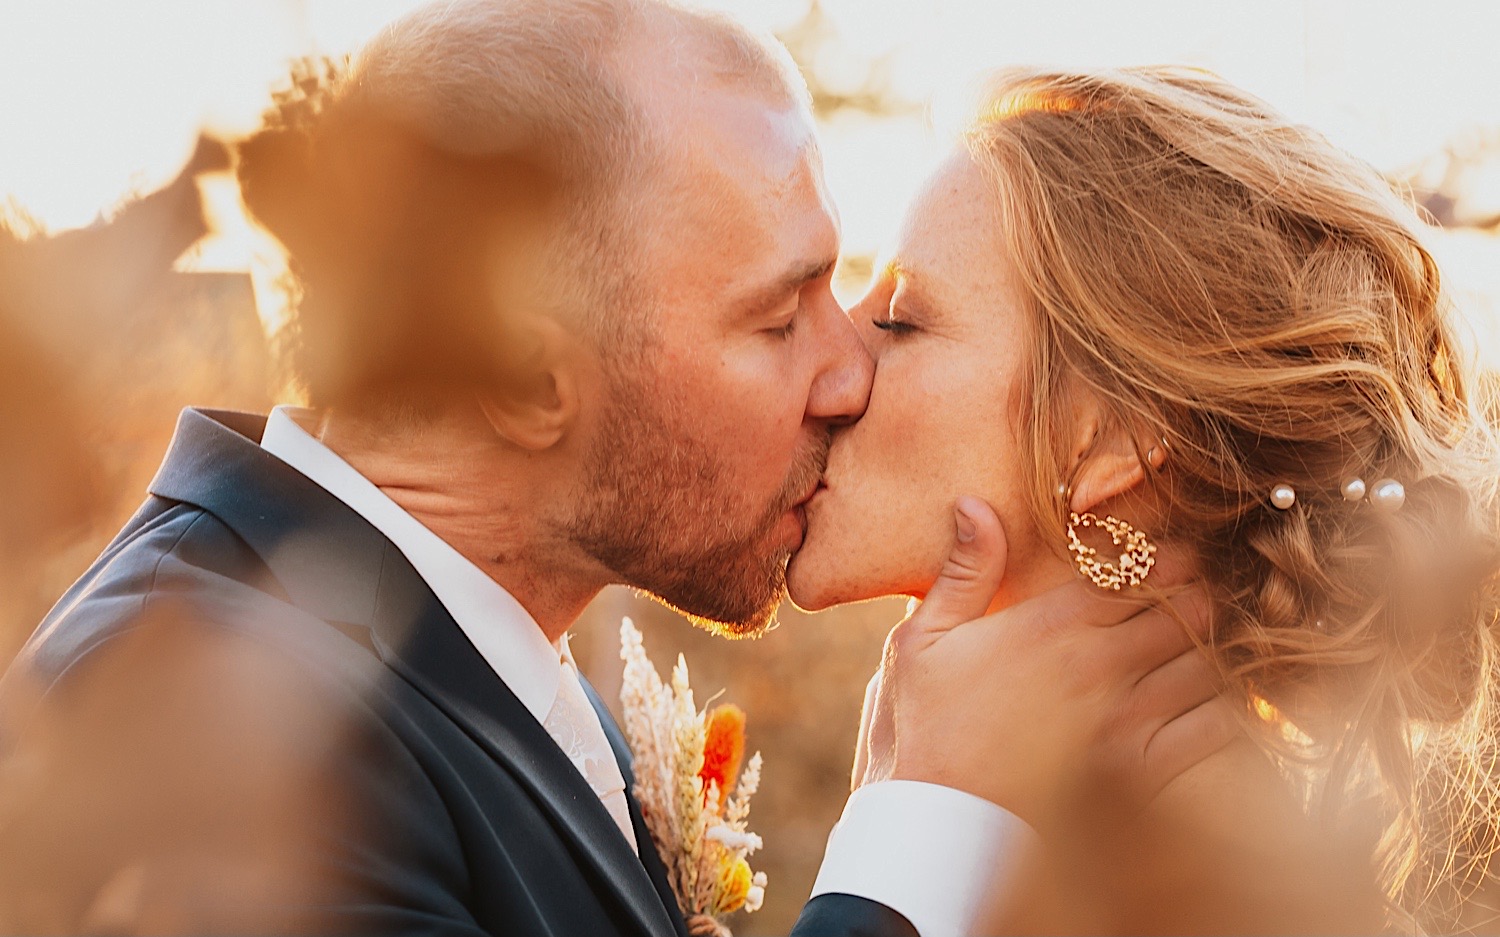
(943, 418)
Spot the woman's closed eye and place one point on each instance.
(894, 324)
(902, 316)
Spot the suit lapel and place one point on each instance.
(649, 856)
(457, 679)
(335, 565)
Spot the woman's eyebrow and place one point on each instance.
(896, 270)
(914, 292)
(908, 281)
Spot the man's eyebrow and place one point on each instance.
(793, 281)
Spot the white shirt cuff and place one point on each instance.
(930, 853)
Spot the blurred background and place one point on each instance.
(131, 284)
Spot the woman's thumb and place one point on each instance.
(971, 576)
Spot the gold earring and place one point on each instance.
(1134, 564)
(1157, 455)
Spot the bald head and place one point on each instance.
(574, 82)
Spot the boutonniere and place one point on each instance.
(686, 762)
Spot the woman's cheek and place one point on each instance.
(928, 451)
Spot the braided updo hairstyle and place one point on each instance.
(1207, 268)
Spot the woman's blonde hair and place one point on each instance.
(1235, 284)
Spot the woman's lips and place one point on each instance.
(799, 511)
(813, 493)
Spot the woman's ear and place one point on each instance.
(539, 400)
(1109, 466)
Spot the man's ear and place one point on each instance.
(539, 400)
(1109, 465)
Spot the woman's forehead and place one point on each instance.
(950, 244)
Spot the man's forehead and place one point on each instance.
(739, 153)
(672, 54)
(774, 138)
(688, 86)
(738, 221)
(738, 179)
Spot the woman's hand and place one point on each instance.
(1020, 706)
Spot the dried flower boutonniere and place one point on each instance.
(686, 761)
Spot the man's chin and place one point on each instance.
(733, 625)
(746, 630)
(728, 605)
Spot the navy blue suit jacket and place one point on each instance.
(471, 820)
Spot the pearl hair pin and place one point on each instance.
(1284, 496)
(1386, 495)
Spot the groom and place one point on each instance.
(321, 681)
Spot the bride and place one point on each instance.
(1140, 304)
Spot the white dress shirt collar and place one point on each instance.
(503, 632)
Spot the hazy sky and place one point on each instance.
(105, 96)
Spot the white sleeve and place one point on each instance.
(930, 853)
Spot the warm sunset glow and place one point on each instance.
(423, 236)
(107, 98)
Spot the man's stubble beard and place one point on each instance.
(657, 513)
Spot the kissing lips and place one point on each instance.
(797, 514)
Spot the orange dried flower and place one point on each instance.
(724, 747)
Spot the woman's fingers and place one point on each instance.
(1190, 738)
(1175, 688)
(870, 735)
(1157, 635)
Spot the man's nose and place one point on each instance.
(841, 388)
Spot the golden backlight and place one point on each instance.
(104, 99)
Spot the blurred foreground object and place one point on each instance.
(1267, 869)
(182, 761)
(101, 343)
(402, 243)
(46, 471)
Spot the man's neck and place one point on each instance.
(461, 484)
